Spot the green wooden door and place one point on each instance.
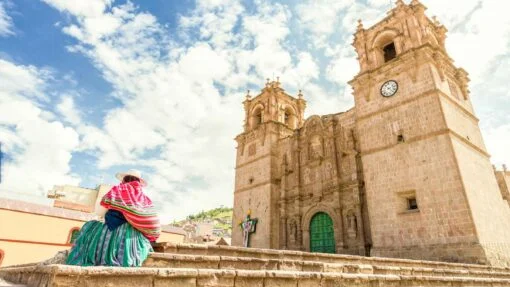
(322, 234)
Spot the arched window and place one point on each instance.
(390, 52)
(385, 46)
(289, 117)
(73, 235)
(286, 117)
(257, 116)
(1, 256)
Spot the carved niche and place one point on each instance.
(352, 225)
(315, 148)
(294, 232)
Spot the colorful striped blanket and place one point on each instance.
(136, 207)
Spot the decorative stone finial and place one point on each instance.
(300, 95)
(418, 4)
(360, 24)
(504, 167)
(248, 96)
(277, 79)
(399, 3)
(436, 22)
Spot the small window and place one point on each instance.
(287, 118)
(390, 52)
(400, 138)
(73, 235)
(412, 204)
(407, 202)
(258, 118)
(251, 180)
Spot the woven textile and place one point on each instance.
(136, 207)
(98, 246)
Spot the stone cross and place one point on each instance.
(248, 225)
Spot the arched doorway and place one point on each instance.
(322, 234)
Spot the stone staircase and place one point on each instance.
(199, 265)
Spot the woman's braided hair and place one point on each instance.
(130, 178)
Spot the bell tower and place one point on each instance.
(270, 116)
(430, 188)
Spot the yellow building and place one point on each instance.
(31, 232)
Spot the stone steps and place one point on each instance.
(200, 265)
(166, 260)
(63, 276)
(4, 283)
(256, 253)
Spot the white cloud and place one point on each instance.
(89, 8)
(497, 140)
(322, 17)
(68, 111)
(342, 68)
(214, 20)
(6, 25)
(174, 119)
(40, 147)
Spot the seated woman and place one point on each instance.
(130, 226)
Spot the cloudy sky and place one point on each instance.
(92, 87)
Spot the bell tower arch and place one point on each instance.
(430, 188)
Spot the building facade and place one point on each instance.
(404, 173)
(78, 198)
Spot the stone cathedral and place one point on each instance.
(404, 173)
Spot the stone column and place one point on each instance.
(361, 235)
(283, 232)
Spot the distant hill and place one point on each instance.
(221, 217)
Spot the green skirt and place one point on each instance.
(96, 245)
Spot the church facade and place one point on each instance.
(404, 173)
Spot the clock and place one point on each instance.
(389, 88)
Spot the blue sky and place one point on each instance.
(90, 88)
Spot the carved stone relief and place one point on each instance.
(352, 225)
(316, 151)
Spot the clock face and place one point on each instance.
(389, 88)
